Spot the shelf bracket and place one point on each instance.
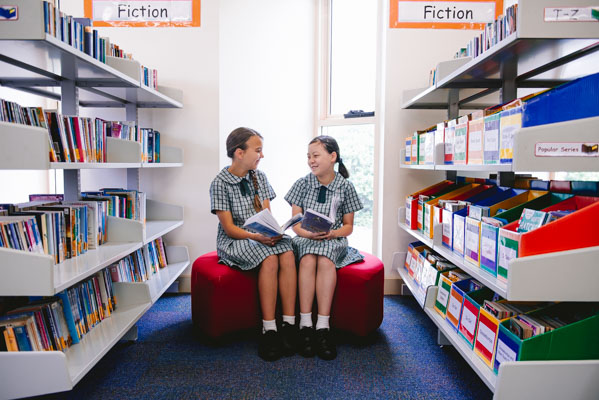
(451, 175)
(507, 178)
(442, 339)
(509, 74)
(453, 101)
(133, 180)
(72, 184)
(131, 334)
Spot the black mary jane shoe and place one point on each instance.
(288, 339)
(306, 342)
(269, 346)
(325, 344)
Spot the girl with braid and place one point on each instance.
(320, 254)
(238, 192)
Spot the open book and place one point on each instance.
(265, 224)
(316, 222)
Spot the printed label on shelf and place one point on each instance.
(486, 337)
(442, 295)
(504, 353)
(566, 149)
(454, 307)
(492, 140)
(487, 247)
(468, 321)
(9, 13)
(571, 14)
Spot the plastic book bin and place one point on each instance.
(462, 192)
(470, 311)
(573, 100)
(448, 216)
(456, 302)
(421, 208)
(574, 231)
(490, 234)
(442, 300)
(575, 341)
(412, 202)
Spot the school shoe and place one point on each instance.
(269, 346)
(325, 344)
(288, 339)
(306, 342)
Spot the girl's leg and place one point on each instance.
(307, 282)
(326, 280)
(267, 287)
(287, 282)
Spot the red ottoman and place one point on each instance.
(223, 299)
(358, 302)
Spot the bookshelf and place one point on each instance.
(535, 56)
(35, 62)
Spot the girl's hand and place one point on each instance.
(310, 235)
(325, 235)
(268, 241)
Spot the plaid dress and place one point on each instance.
(304, 193)
(226, 195)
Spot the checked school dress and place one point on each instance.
(229, 193)
(305, 194)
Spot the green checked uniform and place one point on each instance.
(226, 194)
(304, 193)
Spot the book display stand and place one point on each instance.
(35, 62)
(535, 48)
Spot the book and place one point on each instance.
(316, 222)
(265, 224)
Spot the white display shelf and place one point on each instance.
(27, 147)
(534, 44)
(156, 229)
(574, 380)
(532, 278)
(525, 158)
(56, 371)
(410, 283)
(152, 289)
(481, 369)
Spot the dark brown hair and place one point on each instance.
(238, 138)
(330, 145)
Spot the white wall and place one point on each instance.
(410, 54)
(267, 56)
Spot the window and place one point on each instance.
(347, 81)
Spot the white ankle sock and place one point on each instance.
(290, 319)
(305, 320)
(322, 322)
(269, 325)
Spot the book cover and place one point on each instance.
(460, 147)
(449, 141)
(264, 223)
(475, 138)
(316, 222)
(510, 122)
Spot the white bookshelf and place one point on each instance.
(534, 44)
(537, 55)
(532, 278)
(524, 158)
(58, 371)
(38, 63)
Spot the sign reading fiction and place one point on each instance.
(433, 14)
(144, 13)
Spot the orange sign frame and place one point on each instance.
(395, 24)
(194, 23)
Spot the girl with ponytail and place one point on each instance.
(320, 254)
(238, 192)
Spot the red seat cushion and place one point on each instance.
(225, 299)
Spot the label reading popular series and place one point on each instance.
(574, 149)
